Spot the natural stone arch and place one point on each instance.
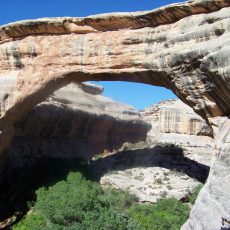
(155, 47)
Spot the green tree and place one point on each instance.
(76, 203)
(166, 214)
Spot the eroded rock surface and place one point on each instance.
(212, 207)
(184, 47)
(174, 122)
(151, 183)
(174, 160)
(173, 116)
(74, 123)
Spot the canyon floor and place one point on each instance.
(151, 170)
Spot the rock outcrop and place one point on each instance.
(212, 207)
(174, 116)
(173, 122)
(74, 123)
(184, 47)
(173, 160)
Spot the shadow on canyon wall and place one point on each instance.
(22, 182)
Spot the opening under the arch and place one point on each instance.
(138, 95)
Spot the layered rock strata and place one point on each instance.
(184, 47)
(173, 122)
(192, 59)
(73, 123)
(174, 116)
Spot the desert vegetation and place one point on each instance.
(78, 203)
(63, 194)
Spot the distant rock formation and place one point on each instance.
(174, 116)
(174, 122)
(76, 121)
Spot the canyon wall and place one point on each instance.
(183, 47)
(173, 116)
(159, 142)
(211, 210)
(174, 122)
(73, 123)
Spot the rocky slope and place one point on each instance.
(183, 47)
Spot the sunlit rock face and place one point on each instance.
(74, 123)
(184, 47)
(173, 161)
(173, 116)
(173, 122)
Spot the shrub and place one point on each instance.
(35, 221)
(195, 193)
(76, 203)
(159, 181)
(166, 214)
(117, 199)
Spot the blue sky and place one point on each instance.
(138, 95)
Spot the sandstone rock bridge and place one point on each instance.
(184, 47)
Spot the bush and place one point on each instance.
(166, 214)
(76, 203)
(117, 199)
(35, 221)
